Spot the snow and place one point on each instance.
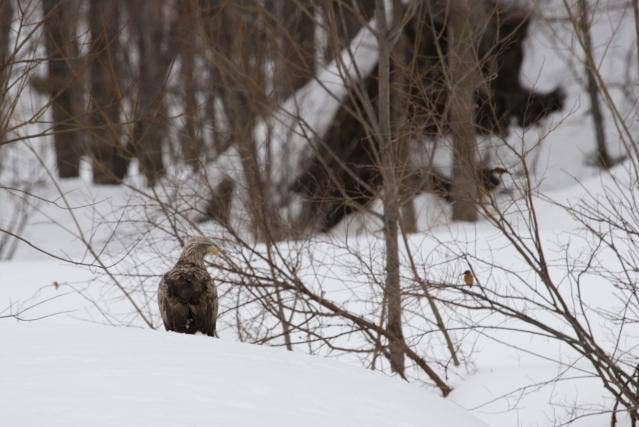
(77, 371)
(60, 374)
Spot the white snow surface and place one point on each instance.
(63, 366)
(82, 375)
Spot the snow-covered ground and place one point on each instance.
(63, 365)
(84, 375)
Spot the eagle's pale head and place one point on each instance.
(196, 248)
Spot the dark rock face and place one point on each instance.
(342, 176)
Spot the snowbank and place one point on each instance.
(62, 375)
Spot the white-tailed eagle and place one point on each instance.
(187, 295)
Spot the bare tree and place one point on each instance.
(109, 164)
(6, 17)
(192, 140)
(389, 160)
(156, 49)
(401, 73)
(64, 83)
(293, 32)
(466, 24)
(602, 158)
(635, 10)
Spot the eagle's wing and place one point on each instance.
(188, 300)
(204, 310)
(174, 314)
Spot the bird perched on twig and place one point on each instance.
(491, 178)
(469, 279)
(187, 296)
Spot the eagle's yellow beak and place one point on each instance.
(214, 250)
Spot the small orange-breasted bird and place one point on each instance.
(468, 278)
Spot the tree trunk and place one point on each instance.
(344, 19)
(635, 10)
(150, 128)
(107, 160)
(466, 20)
(603, 159)
(389, 162)
(6, 16)
(239, 58)
(63, 84)
(294, 50)
(191, 140)
(216, 43)
(400, 128)
(240, 72)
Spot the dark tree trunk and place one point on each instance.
(63, 84)
(245, 99)
(109, 166)
(400, 99)
(344, 19)
(294, 35)
(190, 139)
(216, 43)
(465, 31)
(635, 10)
(156, 57)
(6, 16)
(389, 165)
(603, 159)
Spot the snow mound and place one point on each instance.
(56, 374)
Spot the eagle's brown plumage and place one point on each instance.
(187, 295)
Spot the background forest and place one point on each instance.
(352, 158)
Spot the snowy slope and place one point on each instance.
(509, 380)
(80, 375)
